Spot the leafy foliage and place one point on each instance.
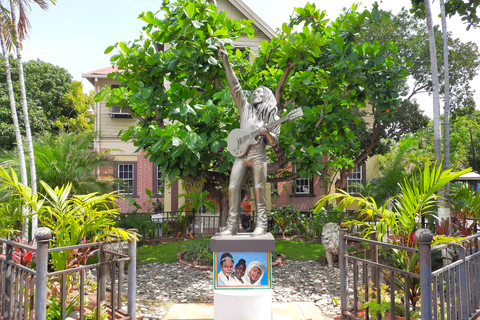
(54, 101)
(466, 9)
(465, 205)
(409, 34)
(283, 218)
(198, 250)
(69, 158)
(70, 218)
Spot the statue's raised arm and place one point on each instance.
(233, 83)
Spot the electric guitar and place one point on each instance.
(239, 140)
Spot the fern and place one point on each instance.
(376, 308)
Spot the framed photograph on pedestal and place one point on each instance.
(242, 270)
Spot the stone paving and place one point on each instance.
(159, 285)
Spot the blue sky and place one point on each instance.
(74, 34)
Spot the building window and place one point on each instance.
(354, 179)
(303, 187)
(274, 189)
(127, 175)
(158, 182)
(115, 111)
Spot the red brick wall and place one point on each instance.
(145, 174)
(286, 196)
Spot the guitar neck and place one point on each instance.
(272, 125)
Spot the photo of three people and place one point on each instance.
(242, 269)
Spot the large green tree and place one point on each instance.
(409, 34)
(55, 101)
(185, 111)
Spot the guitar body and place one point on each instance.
(239, 140)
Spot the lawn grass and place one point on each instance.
(167, 252)
(163, 252)
(298, 250)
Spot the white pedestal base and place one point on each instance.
(243, 304)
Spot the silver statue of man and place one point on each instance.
(261, 111)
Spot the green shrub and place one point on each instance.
(323, 217)
(198, 250)
(142, 222)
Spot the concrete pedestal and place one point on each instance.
(243, 304)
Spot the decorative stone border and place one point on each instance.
(188, 264)
(282, 259)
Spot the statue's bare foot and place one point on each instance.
(259, 231)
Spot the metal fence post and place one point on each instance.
(7, 283)
(102, 274)
(42, 237)
(424, 240)
(342, 264)
(132, 275)
(464, 290)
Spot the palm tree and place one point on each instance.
(446, 75)
(435, 84)
(16, 33)
(5, 43)
(68, 158)
(446, 112)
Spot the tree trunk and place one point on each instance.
(446, 112)
(18, 135)
(436, 91)
(26, 121)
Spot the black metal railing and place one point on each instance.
(24, 290)
(450, 292)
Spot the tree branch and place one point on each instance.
(321, 118)
(282, 160)
(278, 90)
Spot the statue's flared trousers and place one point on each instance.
(256, 160)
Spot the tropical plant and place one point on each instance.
(465, 208)
(69, 158)
(22, 256)
(399, 163)
(70, 218)
(194, 201)
(376, 309)
(54, 307)
(417, 199)
(10, 214)
(141, 222)
(283, 218)
(198, 250)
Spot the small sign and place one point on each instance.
(478, 187)
(242, 270)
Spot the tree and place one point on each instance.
(76, 104)
(321, 68)
(400, 162)
(462, 142)
(409, 33)
(466, 9)
(446, 112)
(55, 102)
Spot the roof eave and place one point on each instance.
(258, 22)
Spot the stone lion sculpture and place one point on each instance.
(331, 241)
